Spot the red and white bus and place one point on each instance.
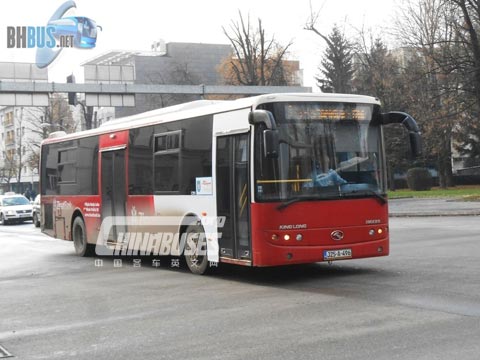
(297, 178)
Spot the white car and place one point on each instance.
(14, 208)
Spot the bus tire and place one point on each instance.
(197, 263)
(79, 237)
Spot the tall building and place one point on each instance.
(173, 64)
(19, 148)
(169, 64)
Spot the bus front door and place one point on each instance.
(113, 189)
(233, 198)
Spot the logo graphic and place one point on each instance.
(337, 235)
(60, 32)
(152, 236)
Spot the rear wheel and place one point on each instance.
(79, 236)
(196, 250)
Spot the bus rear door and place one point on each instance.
(113, 180)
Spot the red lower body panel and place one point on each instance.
(302, 232)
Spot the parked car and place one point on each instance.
(37, 212)
(14, 208)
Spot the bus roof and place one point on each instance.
(207, 107)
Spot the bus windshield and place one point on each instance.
(326, 151)
(89, 28)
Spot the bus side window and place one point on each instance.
(167, 164)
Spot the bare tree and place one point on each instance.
(179, 73)
(466, 24)
(17, 150)
(257, 60)
(378, 73)
(426, 28)
(57, 116)
(8, 171)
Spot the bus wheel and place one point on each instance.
(79, 236)
(196, 250)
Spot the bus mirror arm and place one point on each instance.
(271, 144)
(270, 134)
(396, 117)
(262, 117)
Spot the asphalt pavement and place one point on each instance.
(410, 207)
(422, 302)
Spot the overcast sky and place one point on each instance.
(134, 25)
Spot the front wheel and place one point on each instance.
(79, 236)
(196, 250)
(3, 221)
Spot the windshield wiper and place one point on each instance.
(353, 193)
(287, 203)
(382, 199)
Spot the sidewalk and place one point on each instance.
(432, 207)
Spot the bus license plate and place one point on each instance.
(337, 254)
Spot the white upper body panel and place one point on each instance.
(210, 107)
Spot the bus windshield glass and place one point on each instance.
(326, 151)
(89, 29)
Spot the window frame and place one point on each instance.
(168, 151)
(72, 163)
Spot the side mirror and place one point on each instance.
(270, 144)
(396, 117)
(416, 144)
(270, 135)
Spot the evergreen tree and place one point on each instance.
(337, 65)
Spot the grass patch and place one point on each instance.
(467, 193)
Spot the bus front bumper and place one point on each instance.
(274, 255)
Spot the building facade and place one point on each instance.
(19, 147)
(174, 64)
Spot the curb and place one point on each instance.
(436, 214)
